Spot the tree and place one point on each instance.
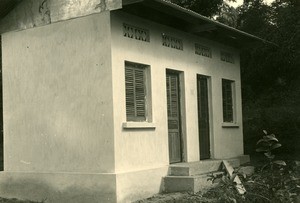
(205, 7)
(228, 15)
(271, 73)
(218, 9)
(274, 66)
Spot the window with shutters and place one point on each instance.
(228, 101)
(136, 91)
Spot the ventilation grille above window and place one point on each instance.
(172, 42)
(203, 50)
(227, 57)
(136, 33)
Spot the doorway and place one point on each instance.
(203, 116)
(174, 120)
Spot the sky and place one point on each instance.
(240, 2)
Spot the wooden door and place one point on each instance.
(174, 125)
(203, 117)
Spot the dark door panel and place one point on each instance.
(203, 117)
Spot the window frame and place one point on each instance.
(229, 120)
(147, 117)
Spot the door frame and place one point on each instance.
(182, 117)
(210, 113)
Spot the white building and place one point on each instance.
(100, 98)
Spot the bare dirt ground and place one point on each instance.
(178, 198)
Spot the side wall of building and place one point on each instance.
(57, 94)
(58, 113)
(146, 148)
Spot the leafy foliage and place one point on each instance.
(271, 74)
(228, 15)
(272, 184)
(270, 67)
(267, 145)
(205, 7)
(281, 185)
(260, 188)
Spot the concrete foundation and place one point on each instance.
(79, 188)
(138, 185)
(59, 187)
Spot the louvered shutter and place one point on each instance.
(172, 82)
(227, 101)
(135, 92)
(172, 95)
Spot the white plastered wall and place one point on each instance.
(57, 97)
(148, 148)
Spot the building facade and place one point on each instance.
(96, 108)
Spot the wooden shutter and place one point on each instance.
(173, 105)
(227, 100)
(135, 92)
(172, 96)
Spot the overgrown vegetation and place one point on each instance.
(269, 180)
(271, 74)
(273, 180)
(280, 185)
(265, 185)
(267, 145)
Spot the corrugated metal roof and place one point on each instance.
(170, 14)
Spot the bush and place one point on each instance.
(273, 180)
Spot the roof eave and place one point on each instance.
(199, 17)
